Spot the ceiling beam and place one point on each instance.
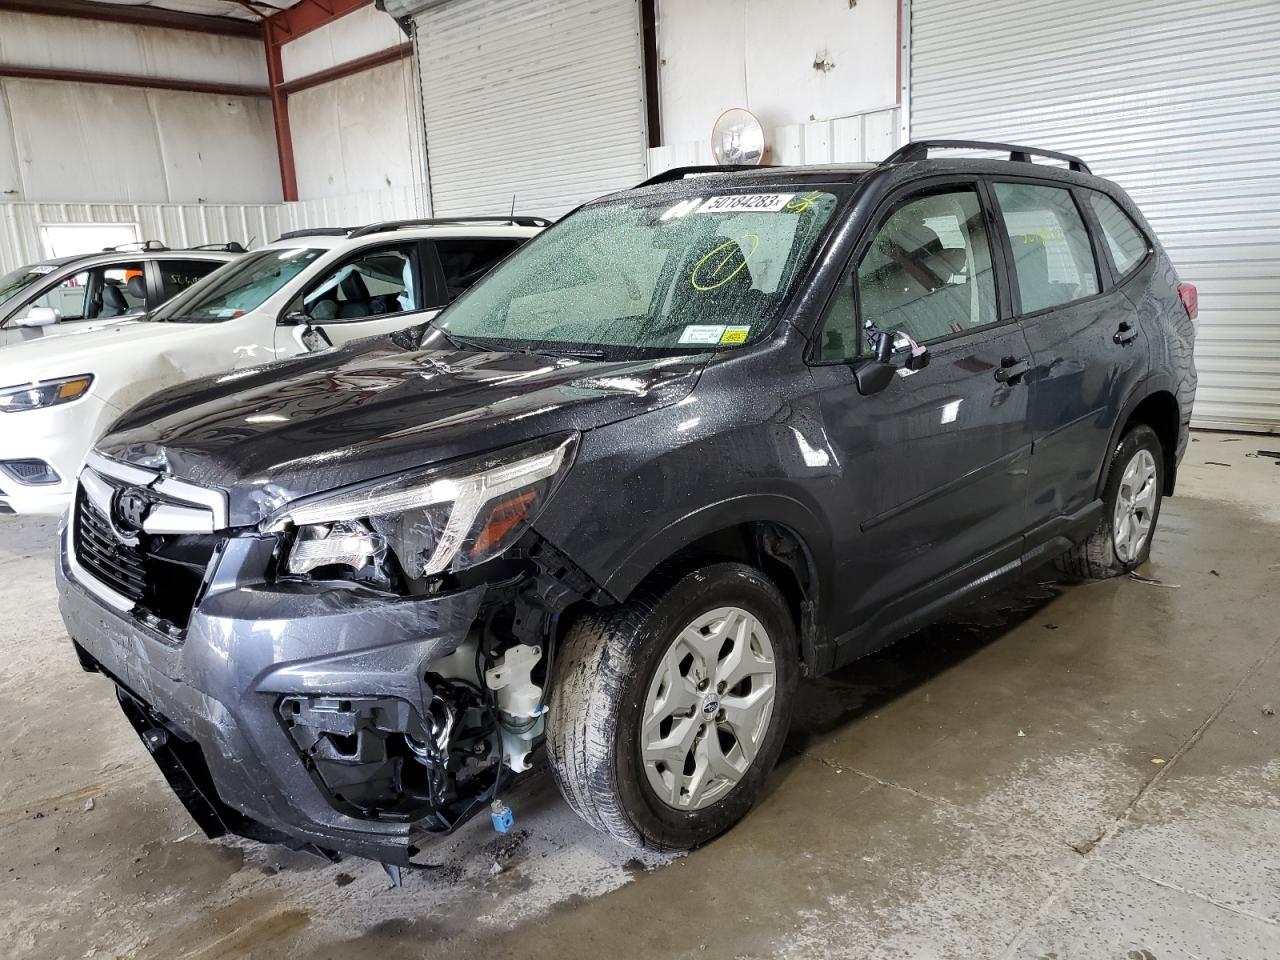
(135, 15)
(132, 80)
(305, 16)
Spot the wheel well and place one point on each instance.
(1160, 412)
(772, 548)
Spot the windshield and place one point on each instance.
(13, 283)
(239, 287)
(644, 276)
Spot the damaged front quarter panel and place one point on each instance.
(330, 716)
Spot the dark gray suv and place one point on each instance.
(693, 443)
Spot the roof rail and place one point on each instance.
(390, 225)
(679, 173)
(141, 246)
(231, 246)
(316, 232)
(919, 150)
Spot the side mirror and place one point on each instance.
(894, 352)
(38, 317)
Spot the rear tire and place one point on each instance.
(1131, 503)
(668, 713)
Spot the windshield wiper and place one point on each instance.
(456, 340)
(570, 352)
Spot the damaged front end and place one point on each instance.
(357, 672)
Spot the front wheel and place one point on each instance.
(1131, 506)
(668, 713)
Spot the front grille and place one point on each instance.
(161, 574)
(118, 565)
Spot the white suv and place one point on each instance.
(306, 291)
(71, 294)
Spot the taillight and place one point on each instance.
(1190, 298)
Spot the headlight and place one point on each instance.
(449, 518)
(48, 393)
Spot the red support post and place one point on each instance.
(278, 30)
(280, 113)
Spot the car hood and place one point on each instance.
(271, 434)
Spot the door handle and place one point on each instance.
(1012, 369)
(1125, 334)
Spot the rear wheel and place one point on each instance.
(668, 713)
(1131, 506)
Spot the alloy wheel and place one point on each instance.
(708, 708)
(1135, 506)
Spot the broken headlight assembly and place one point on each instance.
(441, 520)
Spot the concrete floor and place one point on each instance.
(1086, 771)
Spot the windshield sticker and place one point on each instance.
(746, 203)
(717, 267)
(702, 333)
(41, 270)
(801, 204)
(735, 335)
(681, 209)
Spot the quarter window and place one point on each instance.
(1125, 241)
(927, 274)
(1052, 255)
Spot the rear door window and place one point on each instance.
(1052, 256)
(1125, 242)
(465, 260)
(177, 275)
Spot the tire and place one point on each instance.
(1101, 556)
(615, 663)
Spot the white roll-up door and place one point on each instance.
(542, 100)
(1177, 101)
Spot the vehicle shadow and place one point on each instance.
(864, 686)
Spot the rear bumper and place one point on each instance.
(207, 706)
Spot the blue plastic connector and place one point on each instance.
(502, 817)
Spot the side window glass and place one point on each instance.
(373, 284)
(69, 298)
(465, 260)
(1125, 241)
(927, 274)
(1052, 255)
(120, 290)
(177, 275)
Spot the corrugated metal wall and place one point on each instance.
(177, 225)
(541, 100)
(1176, 101)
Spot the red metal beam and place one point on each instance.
(135, 15)
(278, 30)
(280, 114)
(306, 16)
(350, 68)
(132, 80)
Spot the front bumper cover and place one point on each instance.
(206, 705)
